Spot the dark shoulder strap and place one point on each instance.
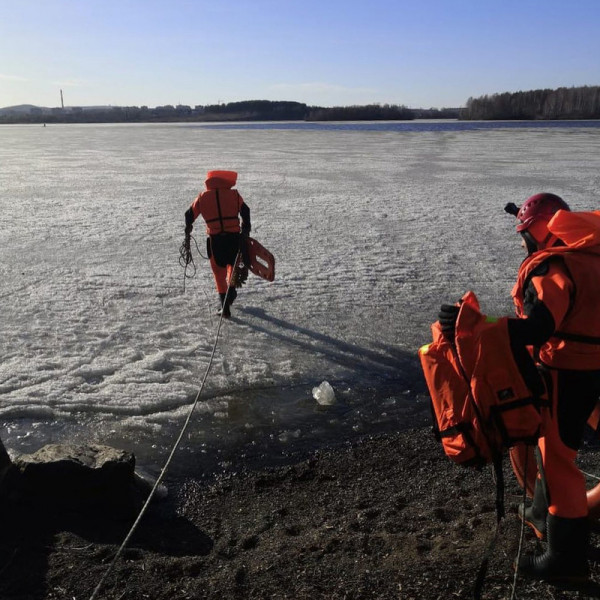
(219, 210)
(575, 337)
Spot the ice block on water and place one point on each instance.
(324, 394)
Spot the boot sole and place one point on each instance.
(541, 535)
(538, 534)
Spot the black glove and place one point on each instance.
(447, 318)
(245, 230)
(512, 209)
(188, 229)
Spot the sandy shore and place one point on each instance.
(388, 518)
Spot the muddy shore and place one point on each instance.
(389, 517)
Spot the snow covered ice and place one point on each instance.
(371, 231)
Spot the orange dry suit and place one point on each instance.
(221, 207)
(556, 297)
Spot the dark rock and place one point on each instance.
(5, 462)
(80, 477)
(8, 473)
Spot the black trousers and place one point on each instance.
(224, 247)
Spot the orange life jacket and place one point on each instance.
(576, 343)
(480, 400)
(220, 208)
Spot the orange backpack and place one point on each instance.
(486, 396)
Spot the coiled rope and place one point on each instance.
(186, 258)
(173, 450)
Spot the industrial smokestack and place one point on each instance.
(62, 104)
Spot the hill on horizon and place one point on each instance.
(19, 108)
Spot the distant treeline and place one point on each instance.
(562, 103)
(370, 112)
(250, 110)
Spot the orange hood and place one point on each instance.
(220, 179)
(576, 229)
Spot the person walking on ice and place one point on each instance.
(221, 207)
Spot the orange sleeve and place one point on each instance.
(555, 290)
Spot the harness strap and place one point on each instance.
(221, 218)
(577, 337)
(219, 210)
(516, 404)
(458, 428)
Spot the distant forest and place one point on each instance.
(562, 103)
(250, 110)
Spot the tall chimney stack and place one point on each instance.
(62, 104)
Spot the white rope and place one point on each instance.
(513, 594)
(172, 453)
(591, 476)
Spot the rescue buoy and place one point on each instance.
(522, 458)
(260, 261)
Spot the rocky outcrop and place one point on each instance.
(5, 465)
(79, 477)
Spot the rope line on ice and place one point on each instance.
(171, 454)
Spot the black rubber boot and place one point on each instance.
(565, 559)
(536, 514)
(231, 296)
(224, 307)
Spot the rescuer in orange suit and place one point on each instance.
(556, 299)
(221, 207)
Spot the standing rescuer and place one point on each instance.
(221, 207)
(556, 299)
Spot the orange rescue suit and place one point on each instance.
(566, 279)
(570, 290)
(221, 208)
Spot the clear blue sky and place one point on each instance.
(420, 53)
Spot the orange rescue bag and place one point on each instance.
(484, 399)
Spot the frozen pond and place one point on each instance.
(371, 230)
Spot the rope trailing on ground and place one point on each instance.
(591, 476)
(513, 594)
(172, 453)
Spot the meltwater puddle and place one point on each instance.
(252, 429)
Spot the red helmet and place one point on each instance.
(540, 207)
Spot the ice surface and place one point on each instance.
(371, 231)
